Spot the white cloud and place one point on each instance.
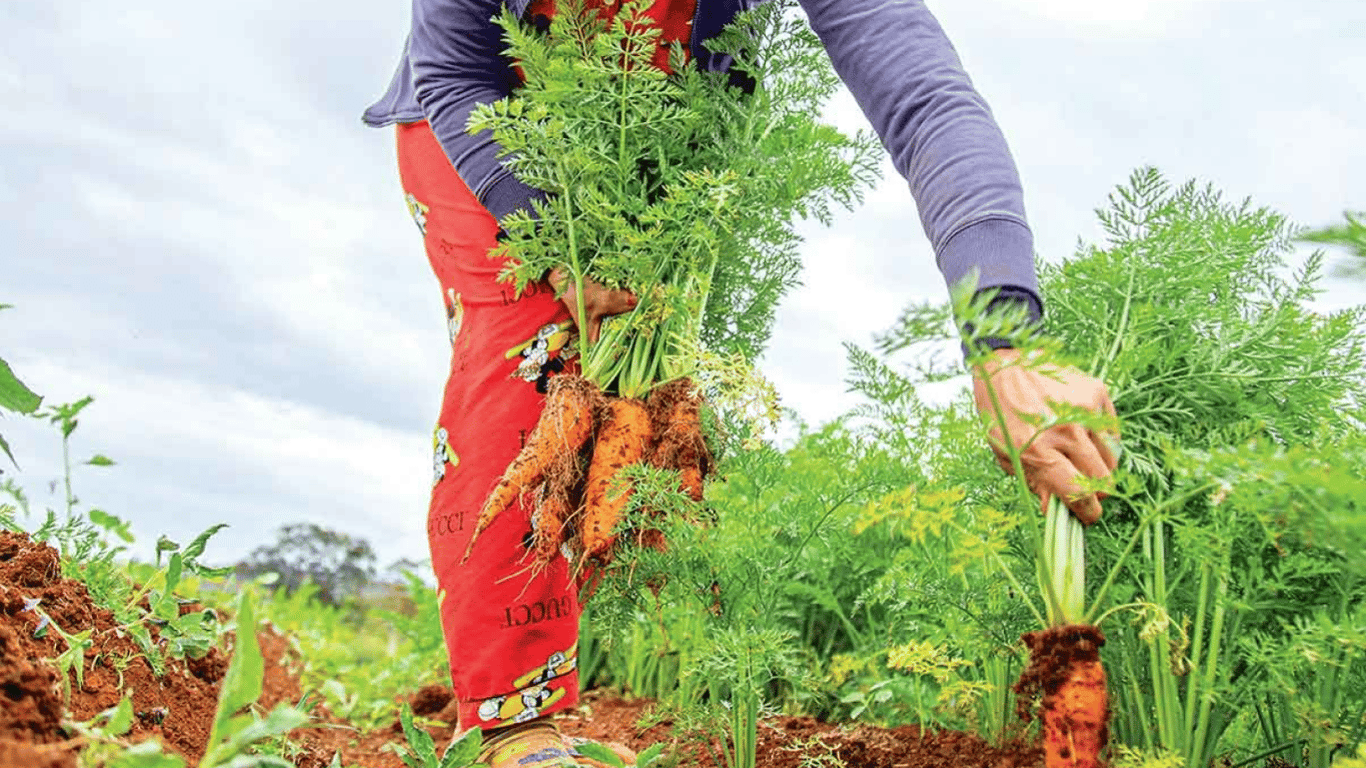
(1124, 19)
(191, 454)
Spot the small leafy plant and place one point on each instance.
(15, 397)
(420, 751)
(236, 732)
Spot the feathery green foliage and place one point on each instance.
(1237, 504)
(1351, 235)
(680, 187)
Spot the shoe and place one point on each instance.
(540, 744)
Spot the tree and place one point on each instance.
(340, 565)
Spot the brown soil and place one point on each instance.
(177, 708)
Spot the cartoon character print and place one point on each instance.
(544, 354)
(418, 210)
(455, 314)
(442, 455)
(532, 695)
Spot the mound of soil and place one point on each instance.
(177, 707)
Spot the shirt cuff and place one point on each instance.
(508, 195)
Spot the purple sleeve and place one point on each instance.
(456, 54)
(903, 71)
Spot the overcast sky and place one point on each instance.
(198, 231)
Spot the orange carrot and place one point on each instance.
(690, 478)
(676, 419)
(565, 425)
(548, 529)
(1074, 719)
(675, 412)
(621, 441)
(1066, 675)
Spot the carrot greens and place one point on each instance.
(683, 188)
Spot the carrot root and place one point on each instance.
(622, 440)
(1066, 675)
(565, 425)
(1075, 718)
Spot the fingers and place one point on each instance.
(603, 303)
(1054, 474)
(1106, 449)
(1059, 458)
(599, 301)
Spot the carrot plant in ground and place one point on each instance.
(1204, 336)
(1064, 672)
(1208, 342)
(683, 189)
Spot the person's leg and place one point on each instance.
(511, 632)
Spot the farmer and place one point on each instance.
(511, 642)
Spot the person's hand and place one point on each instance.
(1057, 456)
(599, 301)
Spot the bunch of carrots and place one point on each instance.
(582, 426)
(681, 188)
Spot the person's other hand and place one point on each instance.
(1061, 453)
(599, 301)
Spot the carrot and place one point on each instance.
(621, 441)
(675, 414)
(548, 529)
(1065, 672)
(690, 478)
(1074, 718)
(565, 425)
(675, 417)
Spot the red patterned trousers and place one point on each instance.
(511, 636)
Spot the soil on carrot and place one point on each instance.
(177, 707)
(1073, 730)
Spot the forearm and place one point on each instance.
(942, 137)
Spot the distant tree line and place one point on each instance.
(344, 567)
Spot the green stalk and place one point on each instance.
(1211, 666)
(1063, 566)
(1197, 640)
(1165, 701)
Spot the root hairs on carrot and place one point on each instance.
(676, 422)
(675, 415)
(565, 425)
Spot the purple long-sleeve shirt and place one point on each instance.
(893, 56)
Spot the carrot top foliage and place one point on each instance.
(1235, 525)
(679, 187)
